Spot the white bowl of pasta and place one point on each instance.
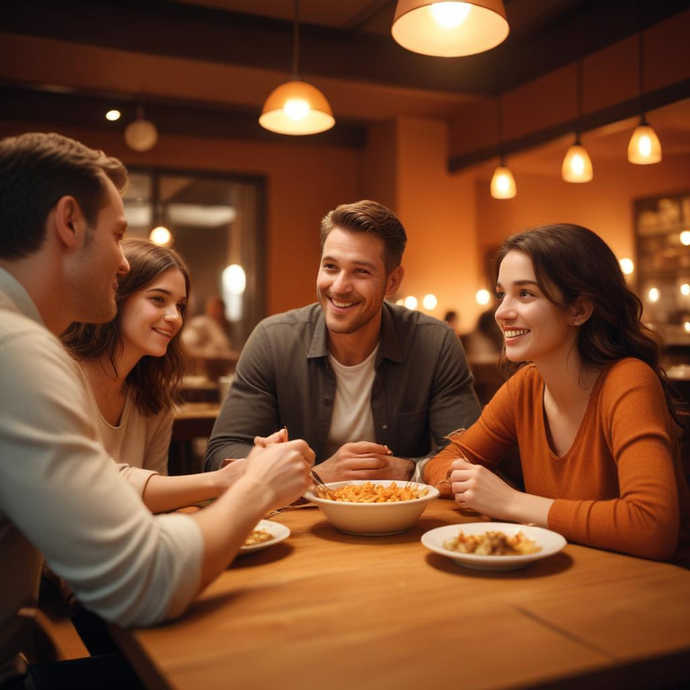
(375, 507)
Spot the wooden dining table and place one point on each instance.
(326, 609)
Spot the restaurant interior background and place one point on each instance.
(420, 134)
(417, 133)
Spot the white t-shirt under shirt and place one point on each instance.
(352, 418)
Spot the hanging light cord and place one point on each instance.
(499, 121)
(640, 60)
(295, 44)
(580, 85)
(580, 99)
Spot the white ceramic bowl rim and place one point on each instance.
(432, 493)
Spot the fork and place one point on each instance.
(319, 482)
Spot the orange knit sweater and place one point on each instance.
(620, 486)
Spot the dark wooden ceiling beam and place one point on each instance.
(170, 117)
(201, 33)
(367, 13)
(622, 111)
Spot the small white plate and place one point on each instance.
(550, 542)
(278, 531)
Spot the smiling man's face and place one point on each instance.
(352, 281)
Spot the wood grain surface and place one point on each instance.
(325, 609)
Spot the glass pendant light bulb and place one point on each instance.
(503, 183)
(644, 147)
(577, 165)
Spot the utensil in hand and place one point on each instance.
(319, 482)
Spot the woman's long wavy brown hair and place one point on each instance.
(155, 381)
(579, 264)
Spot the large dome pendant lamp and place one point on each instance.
(449, 29)
(296, 108)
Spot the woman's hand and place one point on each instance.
(476, 487)
(227, 475)
(281, 469)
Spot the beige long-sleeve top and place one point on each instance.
(139, 444)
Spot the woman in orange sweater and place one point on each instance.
(596, 422)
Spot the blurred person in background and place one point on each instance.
(485, 342)
(208, 334)
(452, 318)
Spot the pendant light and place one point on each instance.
(577, 166)
(296, 108)
(502, 183)
(449, 29)
(141, 135)
(644, 147)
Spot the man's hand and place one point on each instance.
(281, 469)
(280, 436)
(365, 460)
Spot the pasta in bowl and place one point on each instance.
(373, 507)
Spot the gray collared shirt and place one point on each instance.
(422, 389)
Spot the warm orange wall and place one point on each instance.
(439, 214)
(378, 165)
(604, 205)
(303, 183)
(609, 77)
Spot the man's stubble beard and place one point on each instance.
(343, 329)
(92, 301)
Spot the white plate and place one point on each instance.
(275, 529)
(550, 542)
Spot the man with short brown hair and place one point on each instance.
(371, 386)
(61, 496)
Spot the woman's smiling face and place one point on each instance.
(151, 317)
(534, 328)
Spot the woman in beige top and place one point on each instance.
(133, 367)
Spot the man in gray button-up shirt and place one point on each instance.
(422, 385)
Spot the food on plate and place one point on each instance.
(492, 544)
(372, 493)
(258, 536)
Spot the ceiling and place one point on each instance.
(204, 67)
(608, 143)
